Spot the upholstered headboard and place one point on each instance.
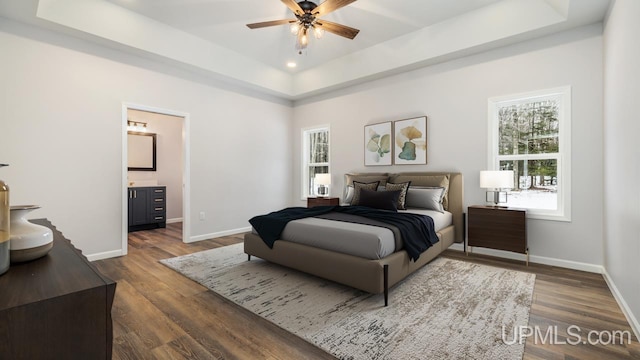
(454, 196)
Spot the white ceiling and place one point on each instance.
(210, 37)
(223, 22)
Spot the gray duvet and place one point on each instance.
(357, 239)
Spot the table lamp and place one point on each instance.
(497, 181)
(322, 181)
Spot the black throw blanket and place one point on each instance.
(417, 231)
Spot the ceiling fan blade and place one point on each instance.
(270, 23)
(293, 5)
(329, 6)
(342, 30)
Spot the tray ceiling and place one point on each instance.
(210, 36)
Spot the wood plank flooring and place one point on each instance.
(159, 314)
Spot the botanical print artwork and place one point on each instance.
(411, 141)
(377, 144)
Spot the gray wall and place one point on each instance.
(453, 95)
(622, 152)
(61, 128)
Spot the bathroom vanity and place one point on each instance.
(147, 207)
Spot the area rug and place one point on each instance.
(449, 309)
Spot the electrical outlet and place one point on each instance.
(202, 216)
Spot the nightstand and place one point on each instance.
(500, 228)
(322, 201)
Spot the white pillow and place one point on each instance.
(349, 195)
(425, 198)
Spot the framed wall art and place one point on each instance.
(378, 147)
(410, 143)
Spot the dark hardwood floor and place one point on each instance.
(159, 314)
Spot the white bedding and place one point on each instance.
(370, 242)
(440, 220)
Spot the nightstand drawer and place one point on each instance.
(497, 228)
(322, 201)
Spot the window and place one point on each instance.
(315, 157)
(531, 135)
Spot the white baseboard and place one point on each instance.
(633, 321)
(219, 234)
(176, 220)
(593, 268)
(104, 255)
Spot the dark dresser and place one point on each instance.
(147, 207)
(56, 307)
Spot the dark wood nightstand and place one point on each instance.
(500, 228)
(322, 201)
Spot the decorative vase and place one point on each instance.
(28, 241)
(4, 226)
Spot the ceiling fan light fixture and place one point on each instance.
(303, 39)
(318, 32)
(306, 20)
(294, 28)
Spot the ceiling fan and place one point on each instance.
(308, 19)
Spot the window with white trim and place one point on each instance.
(531, 135)
(315, 157)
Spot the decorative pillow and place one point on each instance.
(357, 186)
(349, 178)
(426, 198)
(420, 180)
(350, 191)
(366, 178)
(403, 187)
(384, 200)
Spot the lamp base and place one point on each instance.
(323, 191)
(496, 197)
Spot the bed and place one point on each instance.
(372, 275)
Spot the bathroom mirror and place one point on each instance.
(141, 151)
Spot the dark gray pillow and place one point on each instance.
(357, 186)
(384, 200)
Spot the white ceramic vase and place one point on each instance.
(28, 241)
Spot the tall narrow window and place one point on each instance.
(315, 157)
(531, 135)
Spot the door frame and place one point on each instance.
(186, 170)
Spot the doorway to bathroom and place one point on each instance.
(155, 171)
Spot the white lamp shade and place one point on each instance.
(493, 179)
(323, 179)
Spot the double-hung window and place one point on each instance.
(315, 157)
(531, 135)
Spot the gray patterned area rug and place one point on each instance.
(449, 309)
